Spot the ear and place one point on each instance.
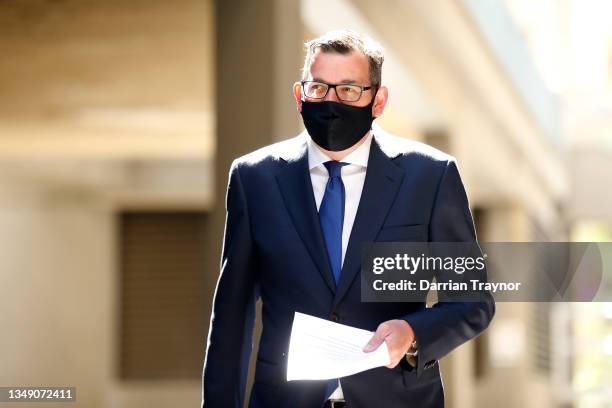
(297, 94)
(380, 102)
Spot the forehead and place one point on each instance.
(333, 67)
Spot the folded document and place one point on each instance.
(322, 350)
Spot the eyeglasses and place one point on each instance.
(345, 92)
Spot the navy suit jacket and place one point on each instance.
(274, 249)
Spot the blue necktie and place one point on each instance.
(331, 216)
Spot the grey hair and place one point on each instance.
(346, 42)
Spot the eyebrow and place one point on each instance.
(344, 81)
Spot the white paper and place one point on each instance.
(322, 350)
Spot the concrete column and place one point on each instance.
(259, 55)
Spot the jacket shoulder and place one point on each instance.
(403, 149)
(272, 154)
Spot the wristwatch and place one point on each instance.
(411, 354)
(413, 350)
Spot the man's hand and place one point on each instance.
(399, 336)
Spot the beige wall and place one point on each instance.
(104, 106)
(58, 291)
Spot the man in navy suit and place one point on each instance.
(297, 214)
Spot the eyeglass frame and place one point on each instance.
(330, 86)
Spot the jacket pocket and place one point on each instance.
(268, 373)
(429, 376)
(414, 232)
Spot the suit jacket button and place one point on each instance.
(334, 317)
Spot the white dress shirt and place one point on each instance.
(353, 177)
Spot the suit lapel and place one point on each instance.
(381, 185)
(296, 188)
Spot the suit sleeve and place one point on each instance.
(447, 325)
(231, 324)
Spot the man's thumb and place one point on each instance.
(375, 341)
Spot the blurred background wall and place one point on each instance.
(118, 122)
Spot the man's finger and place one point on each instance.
(379, 336)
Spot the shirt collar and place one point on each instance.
(358, 156)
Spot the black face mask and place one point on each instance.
(335, 126)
